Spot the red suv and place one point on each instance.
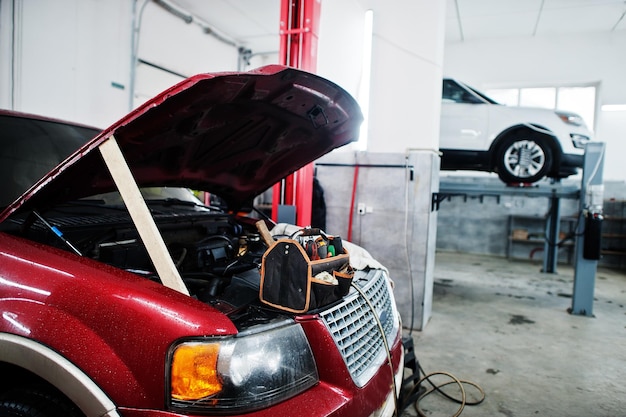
(123, 294)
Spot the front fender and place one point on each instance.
(58, 371)
(115, 326)
(50, 343)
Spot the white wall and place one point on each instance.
(167, 41)
(71, 59)
(407, 61)
(66, 56)
(340, 46)
(406, 76)
(556, 60)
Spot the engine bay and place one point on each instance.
(217, 254)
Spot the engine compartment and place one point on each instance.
(217, 254)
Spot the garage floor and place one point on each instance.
(504, 325)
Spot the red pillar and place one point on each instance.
(299, 28)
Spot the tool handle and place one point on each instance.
(265, 233)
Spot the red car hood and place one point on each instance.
(232, 134)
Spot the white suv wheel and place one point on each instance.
(523, 160)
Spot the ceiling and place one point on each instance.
(254, 23)
(479, 19)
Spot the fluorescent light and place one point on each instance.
(614, 107)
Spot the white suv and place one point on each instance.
(521, 144)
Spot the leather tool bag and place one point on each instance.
(292, 281)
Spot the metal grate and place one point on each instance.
(354, 328)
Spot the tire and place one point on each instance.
(36, 402)
(523, 160)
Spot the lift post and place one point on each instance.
(590, 201)
(299, 29)
(551, 247)
(587, 242)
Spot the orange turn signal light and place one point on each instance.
(194, 371)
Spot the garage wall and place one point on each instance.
(558, 60)
(485, 224)
(71, 59)
(64, 57)
(80, 68)
(405, 97)
(172, 44)
(340, 46)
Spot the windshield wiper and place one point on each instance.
(179, 202)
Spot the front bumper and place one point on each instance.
(569, 165)
(329, 399)
(572, 160)
(390, 405)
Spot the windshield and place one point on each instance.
(30, 148)
(461, 93)
(490, 100)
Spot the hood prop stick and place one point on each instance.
(141, 216)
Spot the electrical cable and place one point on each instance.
(263, 215)
(572, 235)
(569, 236)
(360, 239)
(136, 31)
(407, 239)
(577, 231)
(437, 388)
(415, 397)
(385, 343)
(415, 394)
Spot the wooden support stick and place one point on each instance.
(265, 233)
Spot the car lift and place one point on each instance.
(587, 242)
(292, 198)
(587, 249)
(555, 192)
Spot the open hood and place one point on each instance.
(232, 134)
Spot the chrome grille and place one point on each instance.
(354, 328)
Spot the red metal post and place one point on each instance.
(299, 29)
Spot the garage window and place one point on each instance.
(578, 99)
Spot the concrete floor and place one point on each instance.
(504, 325)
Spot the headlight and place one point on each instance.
(570, 118)
(247, 372)
(579, 141)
